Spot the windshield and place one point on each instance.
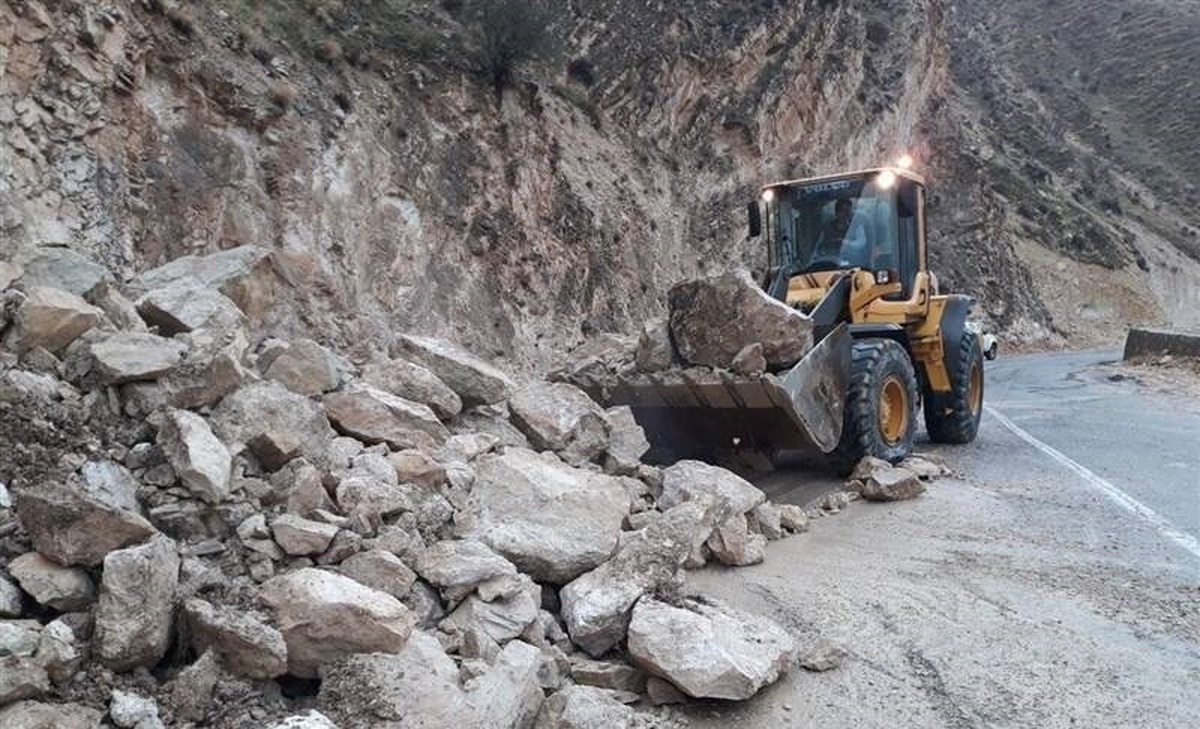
(839, 224)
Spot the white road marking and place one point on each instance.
(1114, 494)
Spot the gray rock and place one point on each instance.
(58, 651)
(561, 418)
(380, 570)
(11, 602)
(750, 360)
(688, 479)
(655, 352)
(305, 367)
(457, 567)
(822, 656)
(119, 310)
(9, 273)
(475, 381)
(927, 466)
(275, 450)
(128, 710)
(596, 606)
(608, 675)
(793, 518)
(708, 651)
(60, 268)
(244, 274)
(627, 442)
(52, 319)
(734, 545)
(39, 715)
(200, 460)
(714, 319)
(133, 357)
(553, 521)
(312, 719)
(584, 707)
(767, 520)
(188, 305)
(66, 589)
(414, 382)
(21, 677)
(191, 691)
(878, 480)
(212, 369)
(137, 603)
(501, 617)
(372, 500)
(298, 536)
(415, 467)
(324, 616)
(247, 646)
(268, 407)
(71, 526)
(375, 416)
(19, 637)
(111, 483)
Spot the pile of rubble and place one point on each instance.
(205, 526)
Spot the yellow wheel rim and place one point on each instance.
(893, 410)
(975, 389)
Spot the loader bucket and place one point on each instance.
(701, 410)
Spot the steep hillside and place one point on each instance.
(399, 192)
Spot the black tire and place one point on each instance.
(953, 417)
(875, 363)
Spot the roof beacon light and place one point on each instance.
(905, 162)
(768, 195)
(885, 180)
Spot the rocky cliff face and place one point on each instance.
(398, 192)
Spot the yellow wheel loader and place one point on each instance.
(849, 252)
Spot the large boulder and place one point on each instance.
(110, 482)
(458, 566)
(584, 707)
(474, 380)
(708, 651)
(561, 418)
(305, 367)
(553, 521)
(213, 368)
(596, 606)
(687, 480)
(244, 274)
(502, 614)
(137, 604)
(713, 319)
(51, 319)
(39, 715)
(200, 460)
(133, 356)
(187, 306)
(380, 570)
(414, 382)
(269, 407)
(877, 480)
(247, 646)
(72, 526)
(60, 268)
(627, 442)
(66, 589)
(375, 416)
(21, 678)
(325, 616)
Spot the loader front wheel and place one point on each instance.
(881, 404)
(953, 417)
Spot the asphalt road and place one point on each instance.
(1055, 582)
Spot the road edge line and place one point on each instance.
(1114, 494)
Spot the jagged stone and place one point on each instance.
(927, 467)
(269, 407)
(793, 518)
(375, 416)
(304, 487)
(188, 305)
(608, 675)
(733, 544)
(247, 646)
(129, 710)
(708, 651)
(878, 480)
(553, 521)
(413, 466)
(312, 719)
(191, 691)
(466, 447)
(380, 570)
(626, 444)
(713, 319)
(596, 606)
(244, 274)
(371, 499)
(200, 460)
(688, 479)
(66, 589)
(325, 616)
(750, 360)
(274, 450)
(39, 715)
(71, 526)
(767, 519)
(58, 651)
(501, 617)
(133, 356)
(584, 707)
(137, 603)
(212, 369)
(414, 382)
(822, 655)
(11, 602)
(655, 352)
(305, 367)
(475, 381)
(111, 483)
(21, 678)
(298, 536)
(60, 268)
(661, 692)
(457, 567)
(52, 319)
(19, 637)
(120, 311)
(561, 418)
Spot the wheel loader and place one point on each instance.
(849, 252)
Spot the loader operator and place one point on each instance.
(844, 237)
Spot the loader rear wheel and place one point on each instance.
(953, 417)
(881, 404)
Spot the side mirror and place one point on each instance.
(754, 213)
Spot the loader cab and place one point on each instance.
(871, 220)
